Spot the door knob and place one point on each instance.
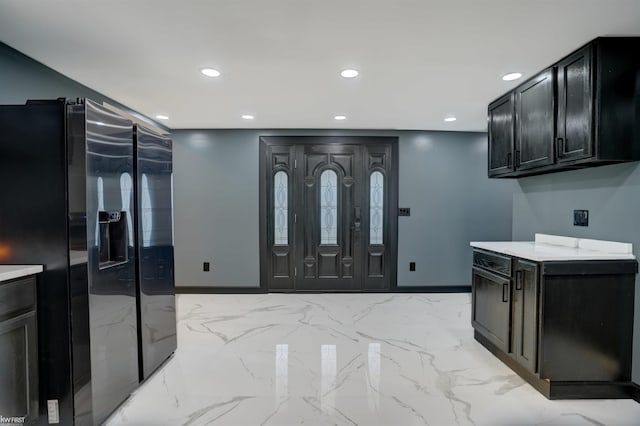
(356, 219)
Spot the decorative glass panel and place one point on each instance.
(376, 212)
(281, 208)
(328, 207)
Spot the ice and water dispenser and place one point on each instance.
(112, 238)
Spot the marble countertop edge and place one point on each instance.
(545, 252)
(10, 272)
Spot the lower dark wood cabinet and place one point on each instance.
(491, 307)
(525, 315)
(564, 326)
(18, 350)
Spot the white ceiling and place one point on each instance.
(280, 60)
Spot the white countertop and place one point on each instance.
(556, 248)
(9, 272)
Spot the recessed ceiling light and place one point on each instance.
(248, 117)
(349, 73)
(450, 119)
(162, 117)
(99, 123)
(210, 72)
(512, 76)
(340, 117)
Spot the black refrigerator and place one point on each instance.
(67, 202)
(153, 163)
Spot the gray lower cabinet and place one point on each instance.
(566, 327)
(18, 350)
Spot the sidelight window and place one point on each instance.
(376, 204)
(281, 208)
(328, 207)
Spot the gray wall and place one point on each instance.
(442, 179)
(610, 193)
(22, 78)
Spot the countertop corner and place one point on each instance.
(10, 272)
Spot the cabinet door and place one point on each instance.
(575, 136)
(525, 315)
(500, 115)
(19, 366)
(490, 316)
(535, 122)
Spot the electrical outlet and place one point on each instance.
(581, 218)
(412, 266)
(205, 266)
(404, 211)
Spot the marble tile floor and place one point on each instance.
(343, 359)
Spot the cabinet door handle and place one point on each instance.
(509, 160)
(517, 158)
(560, 147)
(505, 292)
(518, 280)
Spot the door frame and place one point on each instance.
(266, 141)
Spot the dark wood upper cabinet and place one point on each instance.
(575, 116)
(501, 136)
(583, 111)
(534, 122)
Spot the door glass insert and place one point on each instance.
(328, 207)
(281, 208)
(376, 204)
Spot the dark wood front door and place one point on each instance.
(329, 213)
(328, 229)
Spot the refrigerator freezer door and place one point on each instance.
(112, 295)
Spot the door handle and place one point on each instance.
(560, 147)
(356, 218)
(505, 292)
(518, 280)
